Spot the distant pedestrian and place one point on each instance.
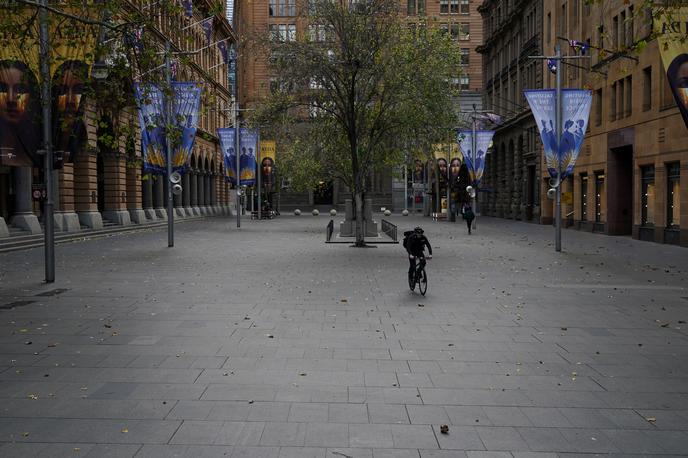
(468, 215)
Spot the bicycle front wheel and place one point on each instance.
(423, 282)
(412, 282)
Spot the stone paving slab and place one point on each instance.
(265, 342)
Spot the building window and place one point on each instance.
(628, 87)
(612, 102)
(444, 6)
(454, 29)
(411, 8)
(317, 32)
(465, 82)
(584, 196)
(465, 31)
(620, 98)
(282, 8)
(647, 196)
(465, 55)
(600, 210)
(598, 107)
(454, 6)
(647, 89)
(673, 195)
(464, 7)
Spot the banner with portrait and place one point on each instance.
(267, 165)
(671, 25)
(561, 158)
(475, 160)
(72, 49)
(187, 102)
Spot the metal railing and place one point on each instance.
(330, 230)
(390, 229)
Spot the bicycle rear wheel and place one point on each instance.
(423, 282)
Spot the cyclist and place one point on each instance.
(415, 243)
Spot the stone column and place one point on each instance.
(86, 190)
(148, 209)
(186, 193)
(66, 219)
(134, 195)
(200, 184)
(23, 217)
(177, 202)
(159, 197)
(116, 190)
(194, 194)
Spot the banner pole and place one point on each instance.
(474, 145)
(168, 147)
(558, 125)
(49, 234)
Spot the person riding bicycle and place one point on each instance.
(415, 243)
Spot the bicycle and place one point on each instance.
(420, 277)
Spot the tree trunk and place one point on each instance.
(359, 232)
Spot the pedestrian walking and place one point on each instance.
(468, 215)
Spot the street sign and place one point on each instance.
(567, 198)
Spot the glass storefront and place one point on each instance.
(673, 195)
(647, 195)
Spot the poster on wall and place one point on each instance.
(72, 50)
(560, 159)
(671, 26)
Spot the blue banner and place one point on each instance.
(187, 102)
(248, 146)
(188, 7)
(560, 157)
(475, 160)
(228, 144)
(151, 120)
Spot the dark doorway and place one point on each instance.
(620, 191)
(530, 192)
(100, 173)
(322, 194)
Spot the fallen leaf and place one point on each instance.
(651, 419)
(344, 300)
(33, 396)
(125, 430)
(25, 434)
(421, 305)
(444, 429)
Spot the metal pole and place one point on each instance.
(49, 234)
(405, 182)
(474, 145)
(558, 122)
(258, 173)
(237, 143)
(168, 147)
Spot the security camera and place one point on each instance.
(551, 193)
(176, 189)
(554, 182)
(175, 178)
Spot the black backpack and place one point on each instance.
(407, 235)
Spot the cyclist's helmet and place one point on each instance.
(418, 230)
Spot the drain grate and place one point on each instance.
(11, 305)
(52, 292)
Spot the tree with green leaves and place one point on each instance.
(353, 93)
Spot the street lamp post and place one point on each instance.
(556, 183)
(49, 234)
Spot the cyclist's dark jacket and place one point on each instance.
(416, 243)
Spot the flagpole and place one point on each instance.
(474, 145)
(49, 235)
(558, 125)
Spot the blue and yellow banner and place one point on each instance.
(227, 144)
(671, 25)
(248, 148)
(150, 101)
(475, 160)
(187, 102)
(560, 156)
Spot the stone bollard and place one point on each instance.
(405, 212)
(333, 212)
(315, 212)
(297, 212)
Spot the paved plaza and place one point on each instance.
(267, 342)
